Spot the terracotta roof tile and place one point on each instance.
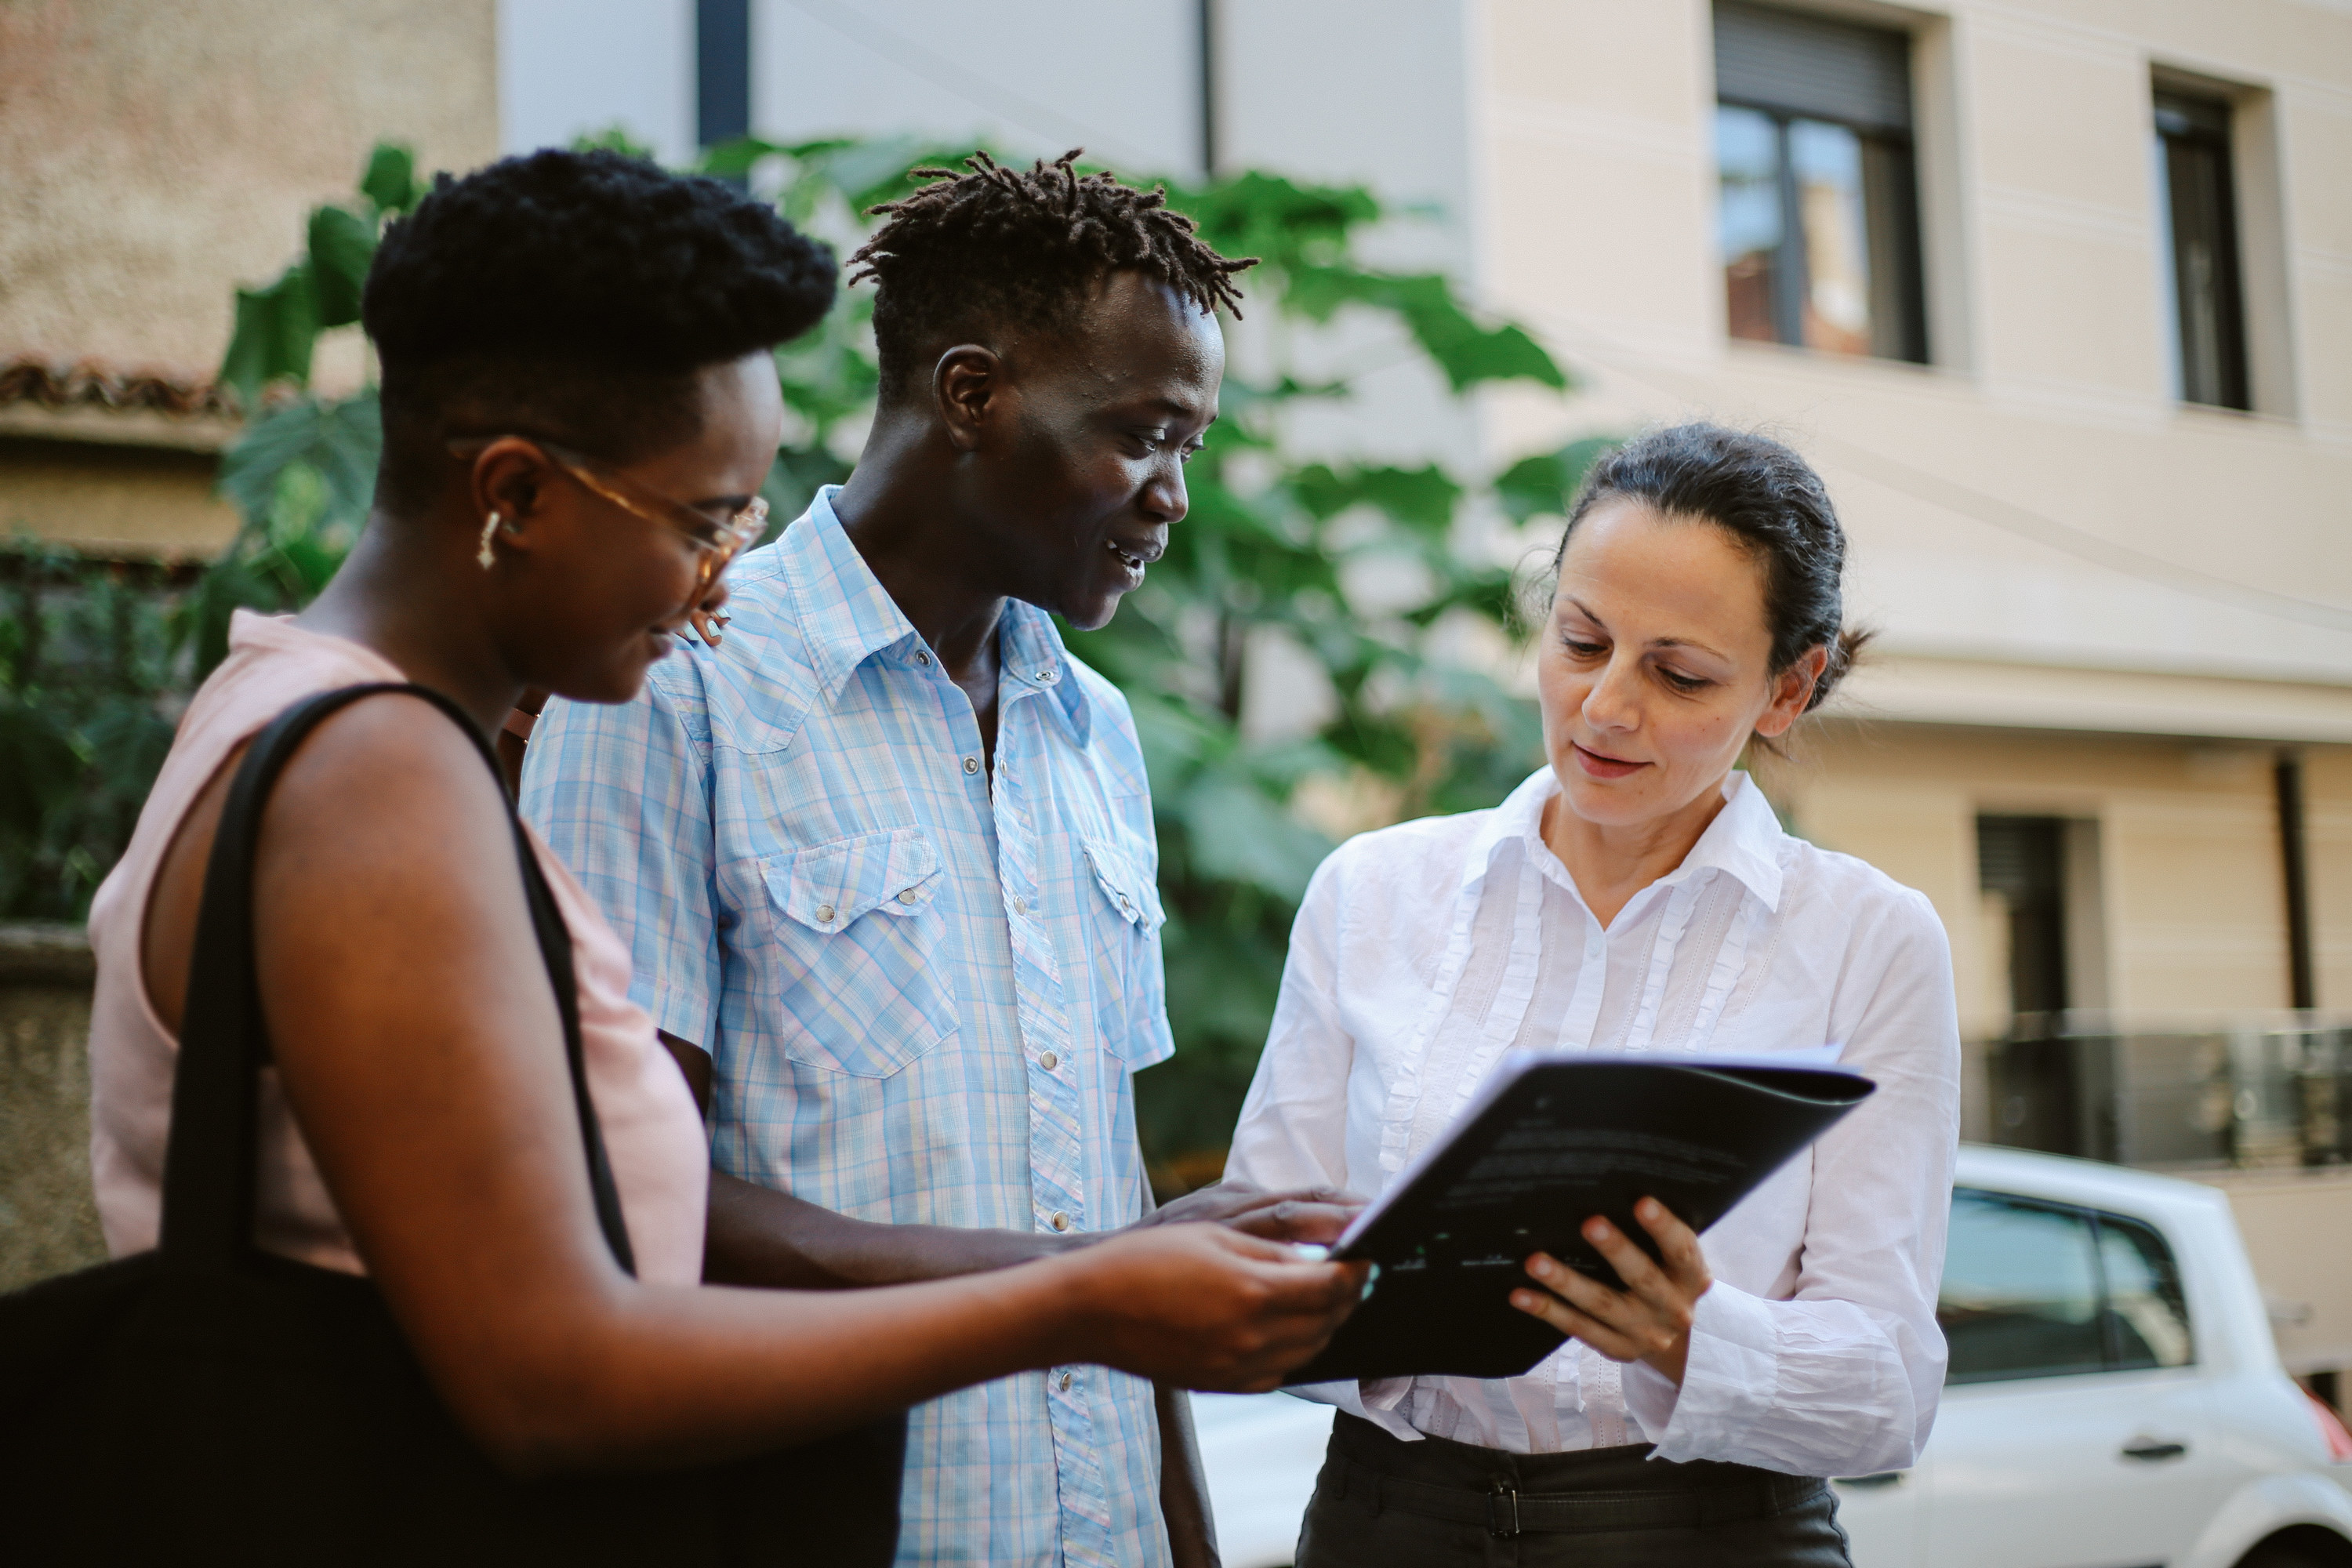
(91, 383)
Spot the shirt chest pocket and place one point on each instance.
(864, 988)
(1123, 920)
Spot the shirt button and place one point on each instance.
(1060, 1220)
(971, 764)
(1125, 908)
(923, 657)
(1049, 675)
(1065, 1381)
(906, 895)
(823, 913)
(1049, 1061)
(1020, 905)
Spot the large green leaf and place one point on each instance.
(277, 326)
(342, 244)
(1548, 481)
(341, 441)
(1238, 833)
(1421, 498)
(1468, 354)
(1283, 223)
(390, 182)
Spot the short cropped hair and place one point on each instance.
(574, 296)
(998, 247)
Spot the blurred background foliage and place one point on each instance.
(1410, 716)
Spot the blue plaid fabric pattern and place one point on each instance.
(925, 984)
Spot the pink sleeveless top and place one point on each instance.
(660, 1159)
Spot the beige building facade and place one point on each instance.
(2109, 607)
(152, 158)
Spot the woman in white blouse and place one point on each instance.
(1639, 894)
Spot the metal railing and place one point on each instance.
(2265, 1093)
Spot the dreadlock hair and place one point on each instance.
(572, 296)
(997, 246)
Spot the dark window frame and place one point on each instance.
(1894, 239)
(2112, 1357)
(2023, 857)
(1881, 122)
(2196, 147)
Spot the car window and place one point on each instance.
(2147, 1317)
(2020, 1296)
(2043, 1290)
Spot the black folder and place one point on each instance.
(1552, 1139)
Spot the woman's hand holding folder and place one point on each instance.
(1650, 1320)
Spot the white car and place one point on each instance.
(2114, 1400)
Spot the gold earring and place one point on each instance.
(484, 554)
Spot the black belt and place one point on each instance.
(1506, 1511)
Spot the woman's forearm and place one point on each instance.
(618, 1374)
(664, 1375)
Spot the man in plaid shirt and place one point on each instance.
(885, 854)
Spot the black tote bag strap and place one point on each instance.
(209, 1161)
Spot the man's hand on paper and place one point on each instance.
(1312, 1214)
(1650, 1320)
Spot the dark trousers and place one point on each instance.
(1435, 1504)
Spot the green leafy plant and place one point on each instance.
(1274, 554)
(302, 475)
(279, 324)
(1272, 547)
(89, 689)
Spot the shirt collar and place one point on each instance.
(846, 617)
(1033, 656)
(1742, 842)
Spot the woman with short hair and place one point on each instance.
(1639, 894)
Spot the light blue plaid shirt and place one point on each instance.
(925, 986)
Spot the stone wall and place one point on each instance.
(157, 156)
(48, 1222)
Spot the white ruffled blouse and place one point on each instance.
(1424, 952)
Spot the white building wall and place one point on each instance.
(568, 67)
(2035, 499)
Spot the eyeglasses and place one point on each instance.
(719, 543)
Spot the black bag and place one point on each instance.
(208, 1400)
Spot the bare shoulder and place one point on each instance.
(389, 775)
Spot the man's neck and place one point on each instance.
(899, 511)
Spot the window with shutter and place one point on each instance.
(1819, 212)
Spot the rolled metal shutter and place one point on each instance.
(1812, 66)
